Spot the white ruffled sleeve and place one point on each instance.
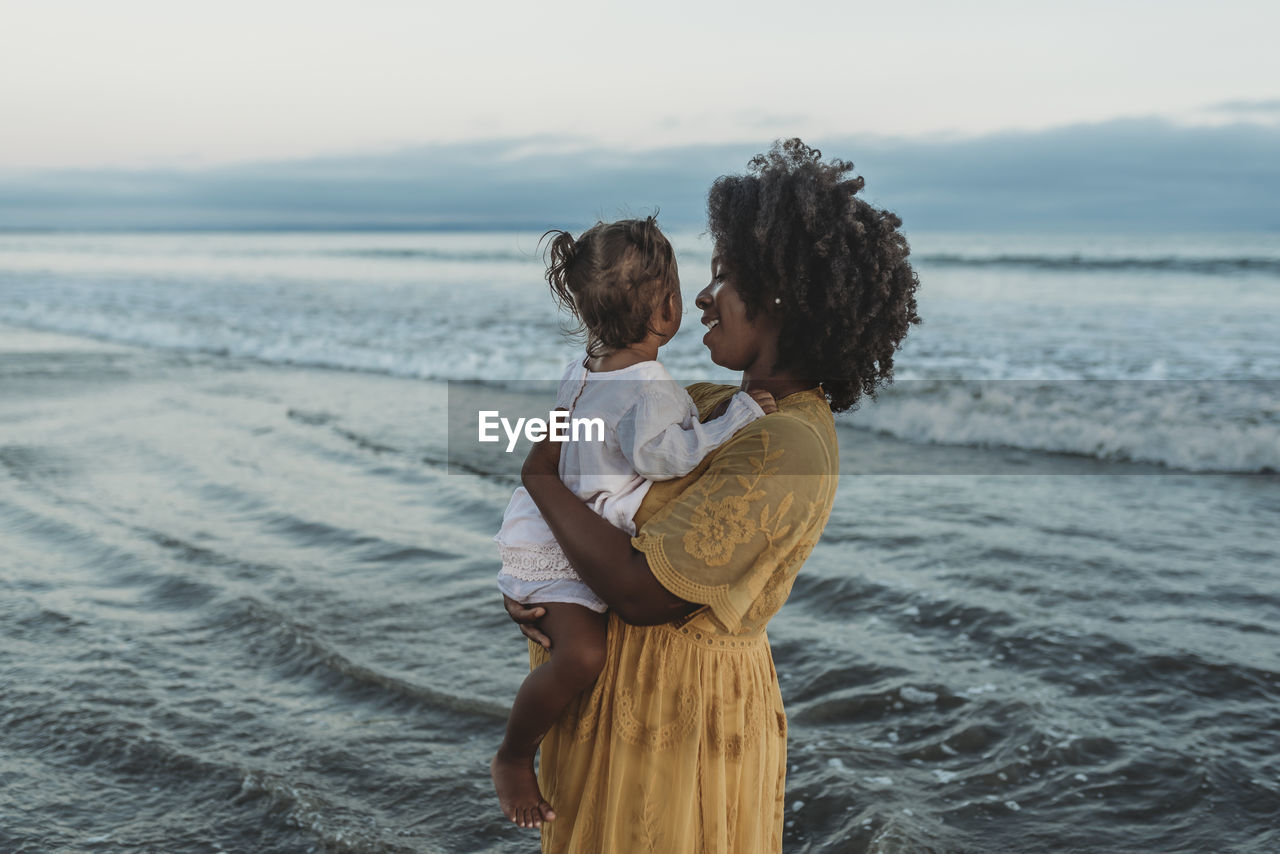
(661, 437)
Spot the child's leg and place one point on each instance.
(577, 655)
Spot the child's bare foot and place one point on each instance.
(518, 792)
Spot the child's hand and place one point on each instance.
(765, 400)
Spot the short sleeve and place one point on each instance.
(763, 499)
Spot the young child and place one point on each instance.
(620, 281)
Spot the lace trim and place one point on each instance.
(544, 562)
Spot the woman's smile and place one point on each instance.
(711, 323)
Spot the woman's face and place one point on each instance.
(735, 342)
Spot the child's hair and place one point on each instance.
(611, 279)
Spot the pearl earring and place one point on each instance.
(777, 300)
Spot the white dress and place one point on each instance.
(651, 432)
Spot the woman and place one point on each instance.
(681, 744)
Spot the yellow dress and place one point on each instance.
(681, 745)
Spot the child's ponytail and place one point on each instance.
(562, 252)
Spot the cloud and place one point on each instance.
(1267, 106)
(1131, 174)
(1136, 174)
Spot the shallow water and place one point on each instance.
(246, 586)
(246, 607)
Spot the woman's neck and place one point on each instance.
(761, 374)
(778, 384)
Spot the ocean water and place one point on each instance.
(248, 604)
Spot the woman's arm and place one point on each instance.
(599, 552)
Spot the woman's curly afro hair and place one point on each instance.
(793, 229)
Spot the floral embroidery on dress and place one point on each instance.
(717, 527)
(778, 587)
(649, 819)
(631, 717)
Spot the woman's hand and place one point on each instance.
(527, 619)
(543, 458)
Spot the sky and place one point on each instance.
(163, 85)
(1129, 174)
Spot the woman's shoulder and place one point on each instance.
(801, 436)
